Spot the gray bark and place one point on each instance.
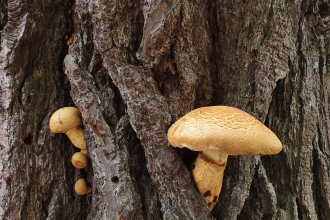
(134, 67)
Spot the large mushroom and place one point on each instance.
(216, 132)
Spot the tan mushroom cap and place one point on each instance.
(79, 160)
(81, 188)
(225, 129)
(65, 119)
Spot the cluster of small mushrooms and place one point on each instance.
(216, 132)
(68, 120)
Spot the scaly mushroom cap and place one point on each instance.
(65, 119)
(225, 129)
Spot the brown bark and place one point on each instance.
(132, 69)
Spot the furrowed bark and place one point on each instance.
(284, 89)
(34, 180)
(134, 67)
(148, 109)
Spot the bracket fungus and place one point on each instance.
(68, 120)
(216, 132)
(81, 188)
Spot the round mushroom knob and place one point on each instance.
(216, 132)
(79, 160)
(81, 188)
(67, 120)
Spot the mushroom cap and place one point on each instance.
(79, 160)
(81, 188)
(225, 129)
(65, 119)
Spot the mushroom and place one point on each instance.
(84, 151)
(67, 120)
(79, 160)
(216, 132)
(81, 188)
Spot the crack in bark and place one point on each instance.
(109, 161)
(149, 117)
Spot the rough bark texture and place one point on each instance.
(134, 67)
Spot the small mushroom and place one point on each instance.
(216, 132)
(81, 188)
(79, 160)
(67, 120)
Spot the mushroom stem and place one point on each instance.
(208, 175)
(76, 136)
(84, 151)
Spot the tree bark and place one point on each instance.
(134, 67)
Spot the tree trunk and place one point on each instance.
(132, 68)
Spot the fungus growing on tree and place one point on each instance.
(67, 120)
(79, 160)
(216, 132)
(84, 151)
(81, 188)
